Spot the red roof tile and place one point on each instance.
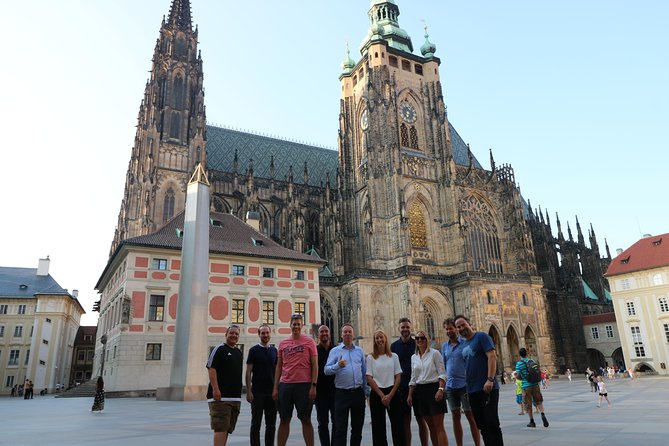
(598, 318)
(647, 253)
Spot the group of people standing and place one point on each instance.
(399, 378)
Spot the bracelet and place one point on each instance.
(441, 388)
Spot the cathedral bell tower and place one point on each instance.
(170, 139)
(393, 142)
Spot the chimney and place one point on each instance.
(619, 251)
(43, 267)
(75, 293)
(253, 220)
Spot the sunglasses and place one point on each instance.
(420, 338)
(296, 316)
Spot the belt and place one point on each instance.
(353, 389)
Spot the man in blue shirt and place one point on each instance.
(456, 384)
(482, 387)
(347, 363)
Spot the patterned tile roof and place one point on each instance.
(222, 143)
(227, 235)
(647, 253)
(24, 282)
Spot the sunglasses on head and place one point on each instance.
(420, 338)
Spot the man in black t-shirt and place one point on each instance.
(224, 394)
(260, 365)
(325, 389)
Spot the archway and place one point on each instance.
(595, 359)
(531, 344)
(496, 339)
(644, 368)
(513, 345)
(618, 358)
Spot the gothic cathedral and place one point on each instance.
(407, 218)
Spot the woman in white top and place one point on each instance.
(426, 388)
(383, 376)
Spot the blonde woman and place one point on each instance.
(426, 388)
(383, 376)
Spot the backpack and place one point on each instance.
(533, 372)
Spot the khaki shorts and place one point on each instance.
(532, 394)
(224, 415)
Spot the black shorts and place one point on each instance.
(424, 403)
(295, 395)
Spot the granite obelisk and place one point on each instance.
(188, 377)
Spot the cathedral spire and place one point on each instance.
(559, 227)
(384, 26)
(581, 239)
(180, 15)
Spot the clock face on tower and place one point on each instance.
(408, 113)
(364, 120)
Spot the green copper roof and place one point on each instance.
(384, 26)
(428, 49)
(348, 64)
(588, 291)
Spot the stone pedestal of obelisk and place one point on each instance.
(188, 378)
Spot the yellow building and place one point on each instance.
(38, 324)
(639, 278)
(252, 280)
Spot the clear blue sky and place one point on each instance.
(573, 94)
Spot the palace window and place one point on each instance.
(268, 312)
(156, 307)
(268, 272)
(237, 270)
(3, 309)
(637, 339)
(299, 274)
(22, 309)
(13, 357)
(664, 306)
(609, 331)
(657, 279)
(595, 332)
(631, 311)
(153, 352)
(81, 355)
(237, 311)
(27, 357)
(168, 205)
(2, 331)
(10, 381)
(301, 308)
(160, 264)
(482, 243)
(18, 331)
(666, 332)
(417, 229)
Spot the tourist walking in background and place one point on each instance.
(325, 389)
(602, 392)
(405, 347)
(347, 363)
(482, 387)
(99, 399)
(456, 383)
(568, 374)
(383, 376)
(519, 392)
(224, 393)
(531, 392)
(260, 367)
(295, 380)
(427, 388)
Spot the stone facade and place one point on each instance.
(409, 221)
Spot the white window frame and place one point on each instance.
(631, 309)
(664, 305)
(609, 331)
(595, 332)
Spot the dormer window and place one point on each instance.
(657, 242)
(625, 261)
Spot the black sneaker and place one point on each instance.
(543, 418)
(531, 424)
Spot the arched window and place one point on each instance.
(491, 299)
(178, 93)
(404, 135)
(482, 243)
(413, 135)
(168, 205)
(429, 325)
(417, 230)
(525, 301)
(175, 125)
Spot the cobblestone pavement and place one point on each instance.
(638, 417)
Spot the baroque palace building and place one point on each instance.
(409, 222)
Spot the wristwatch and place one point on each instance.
(491, 379)
(313, 384)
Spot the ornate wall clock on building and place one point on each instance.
(364, 120)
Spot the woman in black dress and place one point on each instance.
(99, 401)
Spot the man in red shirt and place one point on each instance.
(295, 381)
